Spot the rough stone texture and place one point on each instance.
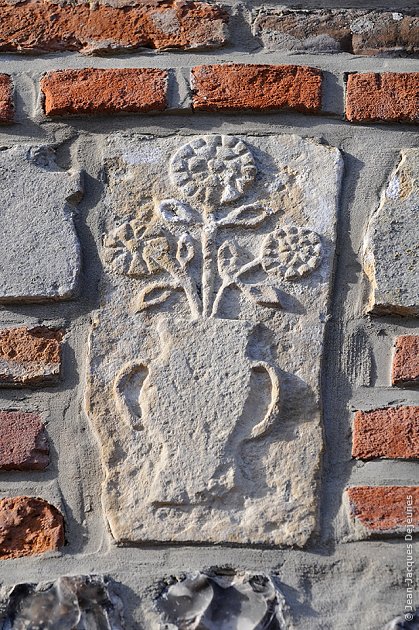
(338, 30)
(386, 96)
(40, 251)
(222, 601)
(405, 371)
(86, 602)
(384, 509)
(225, 235)
(29, 356)
(93, 91)
(23, 441)
(29, 526)
(257, 87)
(390, 259)
(38, 26)
(6, 99)
(392, 432)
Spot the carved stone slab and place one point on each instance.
(391, 253)
(205, 354)
(40, 257)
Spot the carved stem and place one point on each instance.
(219, 297)
(208, 253)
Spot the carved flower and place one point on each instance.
(291, 251)
(128, 252)
(213, 169)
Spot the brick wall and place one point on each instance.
(209, 290)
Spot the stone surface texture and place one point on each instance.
(6, 99)
(391, 260)
(392, 432)
(338, 30)
(29, 526)
(29, 356)
(257, 86)
(23, 441)
(93, 91)
(85, 602)
(384, 509)
(222, 601)
(40, 249)
(386, 96)
(405, 370)
(209, 423)
(38, 26)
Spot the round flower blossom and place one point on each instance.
(213, 169)
(292, 252)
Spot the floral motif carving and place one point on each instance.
(211, 173)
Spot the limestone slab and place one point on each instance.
(40, 251)
(205, 353)
(391, 260)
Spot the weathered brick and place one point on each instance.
(94, 91)
(108, 26)
(391, 432)
(405, 372)
(389, 97)
(6, 99)
(23, 441)
(361, 32)
(257, 87)
(29, 356)
(384, 509)
(29, 526)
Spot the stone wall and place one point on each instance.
(209, 300)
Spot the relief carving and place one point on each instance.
(199, 391)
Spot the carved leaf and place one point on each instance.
(153, 295)
(228, 258)
(174, 211)
(250, 215)
(264, 295)
(185, 250)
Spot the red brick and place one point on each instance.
(91, 91)
(384, 509)
(389, 97)
(405, 372)
(6, 99)
(30, 356)
(23, 441)
(257, 87)
(42, 26)
(392, 432)
(29, 526)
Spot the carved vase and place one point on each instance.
(196, 403)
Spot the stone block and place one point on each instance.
(40, 249)
(205, 355)
(6, 99)
(390, 259)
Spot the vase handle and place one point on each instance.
(272, 413)
(127, 389)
